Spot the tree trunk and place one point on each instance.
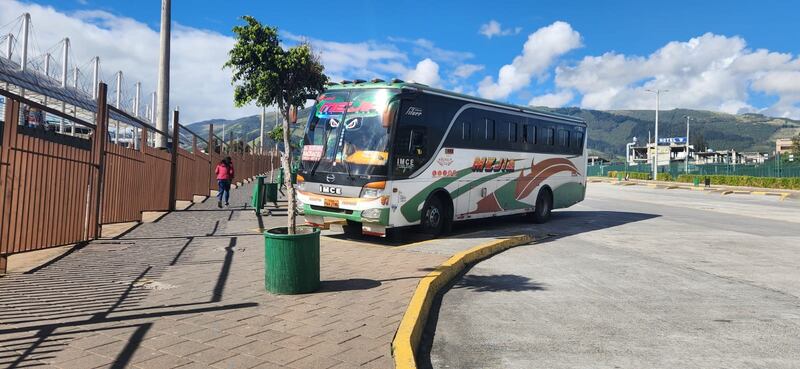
(286, 163)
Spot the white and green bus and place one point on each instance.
(385, 155)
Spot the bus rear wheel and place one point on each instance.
(544, 206)
(434, 218)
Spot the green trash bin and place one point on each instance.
(291, 261)
(619, 176)
(696, 181)
(271, 193)
(258, 194)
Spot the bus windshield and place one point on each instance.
(348, 132)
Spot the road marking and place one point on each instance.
(408, 335)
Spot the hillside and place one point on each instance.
(246, 128)
(609, 131)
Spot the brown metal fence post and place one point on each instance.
(6, 178)
(99, 138)
(173, 170)
(212, 149)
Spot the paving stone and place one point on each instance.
(229, 342)
(185, 348)
(256, 348)
(218, 308)
(284, 356)
(316, 362)
(88, 361)
(240, 361)
(210, 356)
(163, 361)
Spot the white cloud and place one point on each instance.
(466, 70)
(711, 72)
(540, 51)
(553, 100)
(426, 72)
(493, 28)
(198, 83)
(427, 49)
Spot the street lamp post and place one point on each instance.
(655, 142)
(686, 162)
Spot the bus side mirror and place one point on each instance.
(293, 115)
(390, 114)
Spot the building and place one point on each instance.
(597, 160)
(783, 145)
(667, 153)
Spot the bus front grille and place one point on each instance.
(331, 210)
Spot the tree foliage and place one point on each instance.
(266, 74)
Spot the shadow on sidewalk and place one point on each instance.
(352, 284)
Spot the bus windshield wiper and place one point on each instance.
(344, 154)
(324, 148)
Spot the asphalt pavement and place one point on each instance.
(633, 277)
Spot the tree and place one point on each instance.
(796, 146)
(266, 74)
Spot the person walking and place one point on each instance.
(224, 171)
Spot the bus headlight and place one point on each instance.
(371, 214)
(371, 193)
(373, 190)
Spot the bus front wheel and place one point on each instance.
(434, 217)
(544, 206)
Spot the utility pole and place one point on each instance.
(261, 133)
(46, 71)
(658, 102)
(95, 76)
(26, 25)
(163, 74)
(64, 67)
(686, 164)
(9, 45)
(117, 105)
(75, 73)
(136, 102)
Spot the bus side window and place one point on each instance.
(512, 132)
(548, 136)
(489, 129)
(563, 138)
(465, 131)
(578, 146)
(532, 133)
(416, 142)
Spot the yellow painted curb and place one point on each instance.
(411, 326)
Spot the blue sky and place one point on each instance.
(716, 55)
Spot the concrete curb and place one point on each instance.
(408, 335)
(722, 190)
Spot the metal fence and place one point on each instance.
(771, 168)
(58, 189)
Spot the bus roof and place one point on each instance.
(438, 91)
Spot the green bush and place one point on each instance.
(791, 183)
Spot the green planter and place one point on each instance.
(291, 261)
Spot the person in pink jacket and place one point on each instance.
(224, 171)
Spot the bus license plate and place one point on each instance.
(330, 203)
(330, 190)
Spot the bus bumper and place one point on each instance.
(369, 218)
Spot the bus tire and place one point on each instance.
(544, 206)
(352, 229)
(434, 217)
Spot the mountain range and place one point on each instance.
(609, 131)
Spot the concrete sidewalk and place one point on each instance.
(188, 291)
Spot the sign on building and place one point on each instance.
(672, 140)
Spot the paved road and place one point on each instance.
(635, 278)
